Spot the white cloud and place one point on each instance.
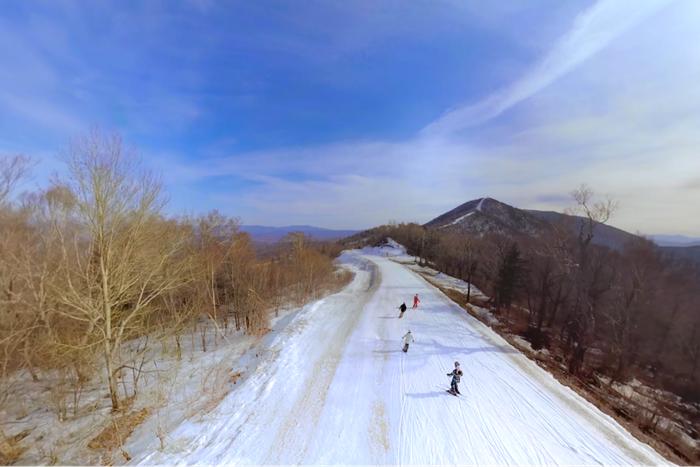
(592, 31)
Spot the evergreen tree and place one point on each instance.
(509, 276)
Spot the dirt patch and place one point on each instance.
(235, 376)
(380, 427)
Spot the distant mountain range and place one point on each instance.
(265, 234)
(675, 240)
(487, 215)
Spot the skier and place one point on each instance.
(416, 301)
(407, 339)
(456, 375)
(402, 308)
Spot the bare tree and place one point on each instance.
(215, 234)
(593, 213)
(692, 348)
(12, 170)
(632, 303)
(124, 256)
(589, 277)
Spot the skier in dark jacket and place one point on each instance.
(456, 376)
(402, 308)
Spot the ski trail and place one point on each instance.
(515, 411)
(334, 387)
(293, 436)
(538, 378)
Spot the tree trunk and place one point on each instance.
(111, 376)
(108, 338)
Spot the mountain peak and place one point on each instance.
(487, 215)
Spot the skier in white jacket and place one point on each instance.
(407, 339)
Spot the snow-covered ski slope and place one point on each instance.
(335, 388)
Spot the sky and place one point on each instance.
(345, 114)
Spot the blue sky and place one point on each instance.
(350, 114)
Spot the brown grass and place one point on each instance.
(120, 428)
(10, 447)
(216, 385)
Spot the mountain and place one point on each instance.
(675, 240)
(605, 235)
(683, 253)
(487, 215)
(265, 234)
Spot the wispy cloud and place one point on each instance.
(613, 102)
(29, 81)
(592, 31)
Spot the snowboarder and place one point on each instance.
(456, 376)
(402, 308)
(416, 301)
(407, 339)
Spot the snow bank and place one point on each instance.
(390, 248)
(459, 285)
(484, 314)
(442, 280)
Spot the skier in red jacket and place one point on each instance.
(416, 301)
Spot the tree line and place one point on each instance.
(91, 262)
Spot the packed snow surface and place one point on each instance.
(335, 387)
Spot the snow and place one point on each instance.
(485, 315)
(334, 387)
(481, 203)
(458, 220)
(449, 282)
(523, 344)
(173, 389)
(390, 249)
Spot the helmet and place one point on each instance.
(456, 363)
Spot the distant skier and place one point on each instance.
(407, 339)
(456, 376)
(402, 308)
(416, 301)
